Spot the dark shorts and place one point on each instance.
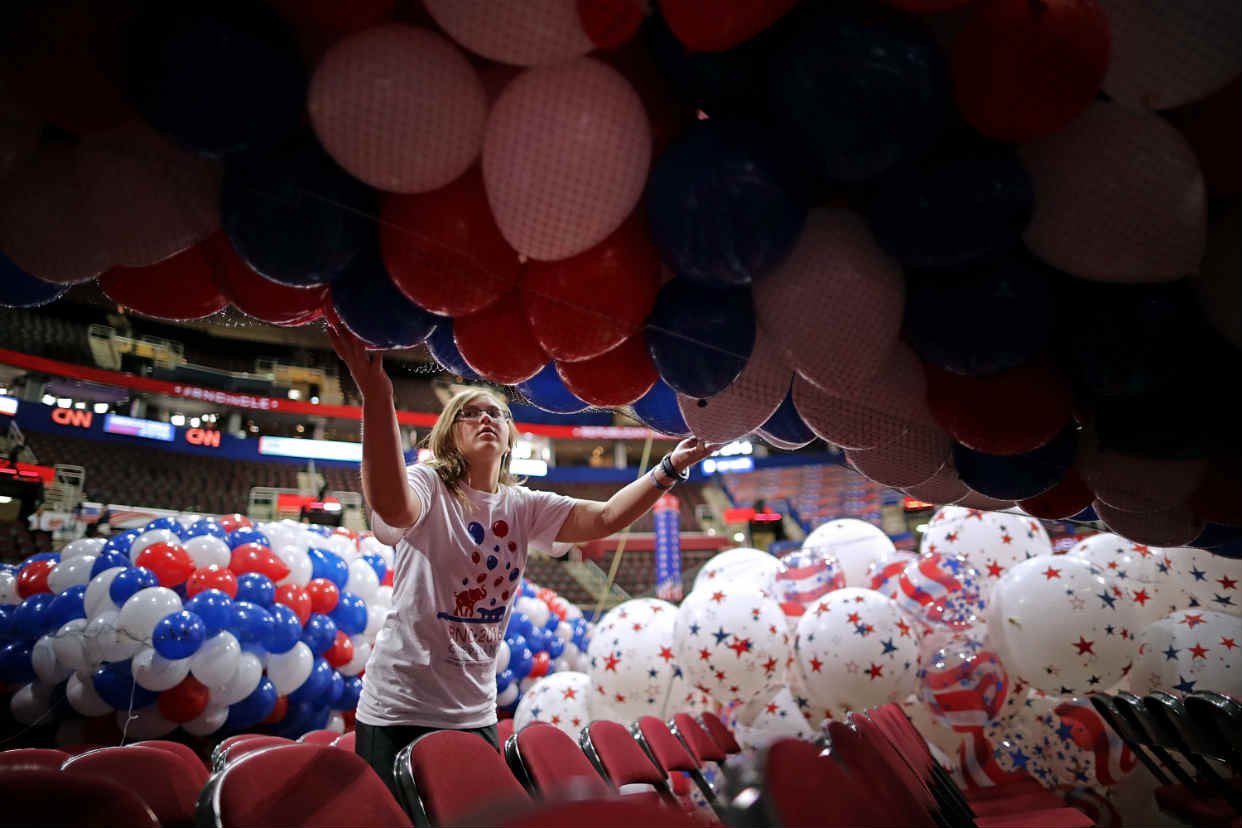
(380, 744)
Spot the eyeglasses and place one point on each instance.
(472, 413)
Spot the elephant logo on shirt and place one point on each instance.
(466, 599)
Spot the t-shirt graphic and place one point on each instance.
(487, 583)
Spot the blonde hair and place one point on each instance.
(448, 461)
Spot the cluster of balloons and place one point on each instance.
(546, 635)
(207, 624)
(804, 220)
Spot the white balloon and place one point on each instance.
(1135, 568)
(146, 608)
(856, 544)
(1203, 580)
(207, 722)
(534, 609)
(8, 588)
(561, 699)
(82, 697)
(743, 564)
(991, 541)
(102, 641)
(298, 560)
(336, 723)
(97, 599)
(632, 658)
(502, 656)
(565, 632)
(28, 706)
(68, 642)
(343, 546)
(362, 651)
(243, 682)
(288, 671)
(46, 665)
(154, 672)
(525, 684)
(768, 718)
(376, 616)
(208, 550)
(1190, 650)
(153, 536)
(70, 572)
(507, 696)
(147, 723)
(383, 596)
(81, 546)
(362, 580)
(216, 661)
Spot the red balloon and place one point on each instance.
(1023, 70)
(498, 342)
(181, 287)
(260, 297)
(233, 521)
(387, 579)
(539, 665)
(324, 595)
(278, 711)
(586, 305)
(341, 652)
(702, 26)
(618, 377)
(33, 578)
(1064, 500)
(184, 702)
(171, 564)
(610, 23)
(255, 557)
(443, 249)
(211, 577)
(1010, 412)
(296, 599)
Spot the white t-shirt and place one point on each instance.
(455, 574)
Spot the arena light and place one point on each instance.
(101, 408)
(63, 402)
(8, 405)
(80, 405)
(311, 449)
(48, 399)
(528, 467)
(177, 419)
(295, 394)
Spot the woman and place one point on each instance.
(460, 525)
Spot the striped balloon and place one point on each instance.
(998, 755)
(963, 684)
(806, 576)
(943, 590)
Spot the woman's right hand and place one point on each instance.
(365, 366)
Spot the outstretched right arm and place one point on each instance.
(384, 484)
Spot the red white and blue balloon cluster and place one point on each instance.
(887, 225)
(546, 635)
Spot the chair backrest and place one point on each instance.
(449, 776)
(189, 759)
(720, 732)
(240, 748)
(803, 788)
(32, 759)
(907, 796)
(622, 761)
(546, 760)
(701, 745)
(38, 796)
(614, 812)
(319, 737)
(665, 748)
(504, 729)
(318, 787)
(227, 743)
(166, 786)
(346, 741)
(1170, 717)
(1218, 719)
(875, 740)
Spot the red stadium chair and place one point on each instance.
(449, 777)
(720, 733)
(299, 786)
(672, 754)
(621, 760)
(185, 754)
(32, 759)
(166, 786)
(319, 737)
(227, 743)
(346, 741)
(504, 729)
(242, 747)
(803, 788)
(550, 765)
(51, 797)
(615, 812)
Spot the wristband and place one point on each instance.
(655, 481)
(670, 471)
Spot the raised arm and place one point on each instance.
(383, 463)
(591, 519)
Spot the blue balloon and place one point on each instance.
(18, 289)
(217, 77)
(953, 212)
(861, 88)
(30, 617)
(556, 647)
(317, 684)
(129, 581)
(294, 215)
(250, 623)
(443, 349)
(256, 588)
(351, 694)
(377, 563)
(110, 559)
(253, 709)
(301, 717)
(700, 340)
(658, 410)
(319, 633)
(503, 679)
(39, 556)
(244, 535)
(65, 607)
(321, 530)
(15, 664)
(350, 614)
(168, 523)
(327, 564)
(372, 307)
(114, 682)
(207, 526)
(286, 630)
(785, 428)
(336, 694)
(537, 640)
(546, 390)
(552, 623)
(519, 625)
(7, 633)
(520, 661)
(721, 205)
(120, 543)
(214, 607)
(1008, 301)
(1018, 476)
(528, 589)
(179, 635)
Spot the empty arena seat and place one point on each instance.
(35, 796)
(167, 787)
(191, 761)
(549, 763)
(32, 759)
(449, 777)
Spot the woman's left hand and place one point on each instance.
(690, 451)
